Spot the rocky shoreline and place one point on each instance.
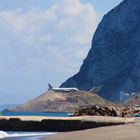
(100, 110)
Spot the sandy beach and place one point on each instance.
(121, 132)
(128, 131)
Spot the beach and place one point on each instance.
(35, 124)
(120, 132)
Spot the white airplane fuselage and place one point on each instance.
(61, 89)
(64, 89)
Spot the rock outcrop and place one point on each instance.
(61, 102)
(99, 110)
(113, 62)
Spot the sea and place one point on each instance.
(24, 135)
(13, 135)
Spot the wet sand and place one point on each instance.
(121, 132)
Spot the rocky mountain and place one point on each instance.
(113, 62)
(61, 102)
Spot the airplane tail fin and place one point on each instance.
(50, 87)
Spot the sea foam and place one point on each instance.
(4, 134)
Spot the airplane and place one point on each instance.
(62, 89)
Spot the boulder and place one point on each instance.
(114, 111)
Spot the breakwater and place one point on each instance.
(58, 124)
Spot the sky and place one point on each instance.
(44, 41)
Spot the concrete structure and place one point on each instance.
(58, 124)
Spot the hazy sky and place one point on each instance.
(44, 41)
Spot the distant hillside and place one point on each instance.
(61, 102)
(2, 107)
(133, 101)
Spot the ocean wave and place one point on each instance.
(4, 134)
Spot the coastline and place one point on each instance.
(66, 126)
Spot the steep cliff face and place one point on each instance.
(113, 62)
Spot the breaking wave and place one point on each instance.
(4, 134)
